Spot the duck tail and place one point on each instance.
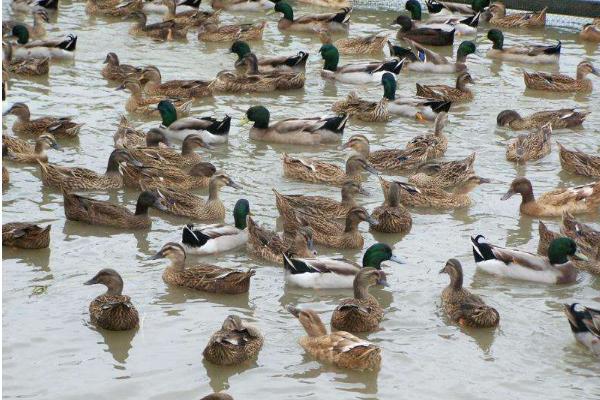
(193, 238)
(433, 7)
(69, 44)
(482, 250)
(297, 60)
(48, 4)
(472, 21)
(438, 106)
(343, 16)
(288, 265)
(336, 124)
(553, 49)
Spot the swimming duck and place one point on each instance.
(126, 136)
(590, 33)
(339, 348)
(98, 212)
(113, 8)
(585, 325)
(576, 200)
(25, 235)
(139, 176)
(362, 313)
(305, 131)
(459, 93)
(166, 30)
(51, 48)
(159, 7)
(357, 73)
(391, 216)
(427, 60)
(334, 273)
(332, 22)
(115, 71)
(445, 8)
(322, 172)
(557, 268)
(140, 104)
(587, 239)
(211, 32)
(36, 31)
(165, 156)
(236, 342)
(203, 277)
(434, 144)
(369, 44)
(578, 162)
(529, 54)
(28, 66)
(75, 178)
(152, 83)
(218, 238)
(20, 151)
(282, 80)
(559, 119)
(241, 5)
(29, 5)
(252, 81)
(190, 17)
(531, 146)
(112, 310)
(443, 174)
(59, 127)
(463, 25)
(265, 64)
(268, 245)
(463, 306)
(562, 83)
(428, 36)
(499, 18)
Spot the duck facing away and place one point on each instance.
(25, 235)
(585, 325)
(236, 342)
(323, 172)
(18, 150)
(530, 147)
(586, 237)
(391, 216)
(498, 17)
(457, 94)
(269, 245)
(331, 22)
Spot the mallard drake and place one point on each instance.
(115, 71)
(241, 5)
(127, 137)
(203, 277)
(218, 238)
(112, 310)
(25, 235)
(562, 83)
(322, 172)
(59, 127)
(165, 156)
(319, 205)
(576, 200)
(98, 212)
(211, 32)
(167, 30)
(20, 151)
(236, 342)
(231, 82)
(75, 178)
(268, 245)
(463, 306)
(463, 25)
(332, 22)
(28, 66)
(529, 54)
(391, 216)
(36, 31)
(590, 33)
(190, 17)
(587, 239)
(428, 36)
(305, 131)
(557, 268)
(458, 94)
(265, 64)
(29, 5)
(369, 44)
(139, 176)
(426, 60)
(362, 313)
(442, 7)
(585, 325)
(499, 18)
(531, 146)
(443, 174)
(559, 119)
(113, 8)
(140, 104)
(357, 73)
(51, 48)
(339, 348)
(578, 162)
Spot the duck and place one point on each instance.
(444, 174)
(391, 216)
(235, 343)
(140, 104)
(389, 106)
(361, 45)
(232, 82)
(139, 176)
(334, 273)
(557, 268)
(458, 94)
(445, 8)
(559, 119)
(586, 237)
(57, 126)
(126, 136)
(528, 54)
(58, 49)
(585, 326)
(115, 71)
(29, 5)
(576, 200)
(425, 36)
(190, 17)
(296, 62)
(270, 246)
(159, 7)
(36, 31)
(362, 313)
(530, 147)
(434, 144)
(320, 205)
(25, 235)
(282, 80)
(113, 8)
(76, 178)
(211, 32)
(27, 66)
(112, 310)
(241, 5)
(498, 17)
(312, 23)
(462, 25)
(322, 172)
(462, 306)
(578, 162)
(562, 83)
(356, 73)
(166, 30)
(165, 156)
(340, 348)
(18, 150)
(105, 213)
(303, 131)
(152, 83)
(218, 238)
(590, 33)
(202, 277)
(426, 60)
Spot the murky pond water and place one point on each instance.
(51, 351)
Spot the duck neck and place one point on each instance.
(389, 89)
(361, 291)
(331, 60)
(24, 115)
(168, 116)
(581, 74)
(393, 198)
(527, 196)
(40, 149)
(351, 224)
(456, 280)
(348, 199)
(112, 168)
(187, 148)
(461, 85)
(114, 287)
(213, 191)
(141, 209)
(178, 264)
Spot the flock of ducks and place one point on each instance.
(145, 161)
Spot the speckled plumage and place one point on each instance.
(25, 235)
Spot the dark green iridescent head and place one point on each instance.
(240, 212)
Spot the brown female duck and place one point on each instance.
(59, 127)
(559, 119)
(370, 44)
(167, 30)
(211, 32)
(457, 94)
(25, 235)
(115, 71)
(113, 8)
(233, 344)
(160, 157)
(127, 137)
(444, 174)
(140, 176)
(530, 147)
(139, 104)
(586, 237)
(391, 216)
(5, 177)
(499, 18)
(190, 17)
(578, 162)
(268, 245)
(323, 172)
(20, 151)
(562, 83)
(153, 85)
(27, 66)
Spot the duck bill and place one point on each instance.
(120, 87)
(443, 270)
(369, 168)
(508, 195)
(372, 221)
(293, 310)
(244, 121)
(161, 204)
(7, 111)
(55, 146)
(580, 256)
(157, 256)
(484, 180)
(396, 259)
(234, 185)
(92, 281)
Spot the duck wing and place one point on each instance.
(321, 265)
(191, 123)
(426, 55)
(560, 197)
(522, 258)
